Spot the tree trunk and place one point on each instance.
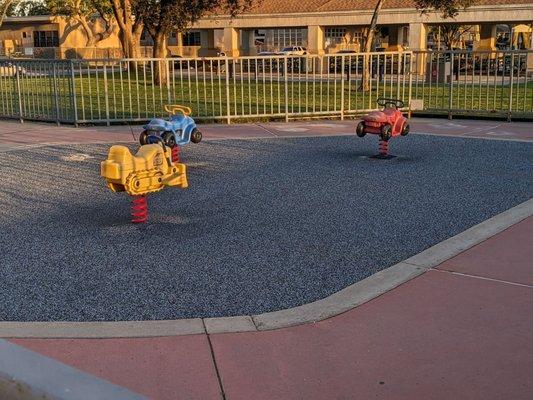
(160, 52)
(91, 38)
(130, 30)
(365, 82)
(136, 40)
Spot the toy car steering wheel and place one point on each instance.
(385, 102)
(174, 108)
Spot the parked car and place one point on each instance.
(9, 69)
(179, 62)
(293, 51)
(268, 53)
(350, 63)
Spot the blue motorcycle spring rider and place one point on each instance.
(179, 130)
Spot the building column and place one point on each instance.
(487, 37)
(418, 42)
(252, 49)
(417, 36)
(315, 39)
(179, 43)
(231, 42)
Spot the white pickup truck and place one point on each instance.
(293, 51)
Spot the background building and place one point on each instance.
(320, 27)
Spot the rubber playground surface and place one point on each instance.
(265, 224)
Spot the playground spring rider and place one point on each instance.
(148, 171)
(178, 131)
(387, 124)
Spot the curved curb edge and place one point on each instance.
(337, 303)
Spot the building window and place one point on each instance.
(334, 36)
(46, 39)
(192, 39)
(259, 37)
(280, 38)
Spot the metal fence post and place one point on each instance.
(56, 91)
(106, 94)
(228, 99)
(19, 95)
(410, 90)
(74, 98)
(450, 103)
(342, 87)
(511, 82)
(285, 70)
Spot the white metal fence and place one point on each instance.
(285, 87)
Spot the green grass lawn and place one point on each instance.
(114, 96)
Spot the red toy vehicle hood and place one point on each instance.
(376, 116)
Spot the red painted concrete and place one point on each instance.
(165, 368)
(474, 128)
(440, 336)
(14, 134)
(507, 256)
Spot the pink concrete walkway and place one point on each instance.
(460, 331)
(14, 134)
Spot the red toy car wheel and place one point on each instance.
(386, 132)
(406, 128)
(360, 130)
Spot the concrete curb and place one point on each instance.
(26, 375)
(335, 304)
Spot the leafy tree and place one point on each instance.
(26, 8)
(447, 8)
(5, 7)
(161, 17)
(87, 13)
(449, 34)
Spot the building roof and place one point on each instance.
(310, 6)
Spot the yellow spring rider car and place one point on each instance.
(148, 171)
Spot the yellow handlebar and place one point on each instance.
(174, 108)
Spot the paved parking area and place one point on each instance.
(266, 224)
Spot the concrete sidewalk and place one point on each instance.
(459, 331)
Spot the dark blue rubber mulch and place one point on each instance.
(265, 224)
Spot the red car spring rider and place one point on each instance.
(387, 124)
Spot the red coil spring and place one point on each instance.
(383, 148)
(139, 209)
(175, 154)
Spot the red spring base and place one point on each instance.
(383, 148)
(175, 154)
(383, 151)
(139, 209)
